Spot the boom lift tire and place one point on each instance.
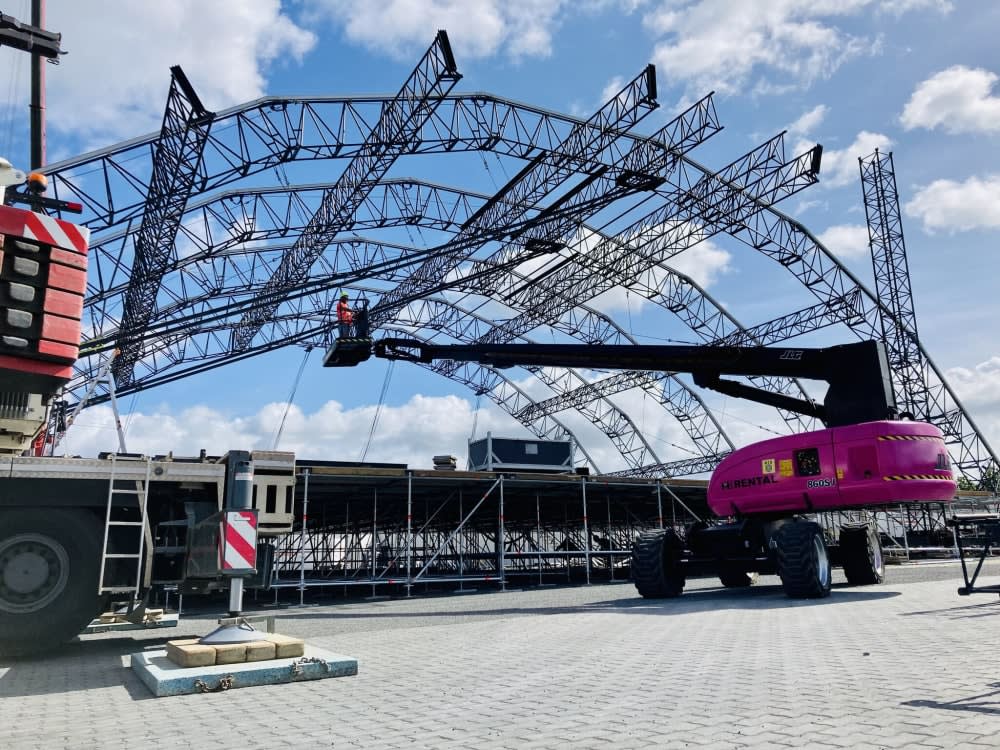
(803, 563)
(736, 578)
(49, 560)
(657, 570)
(861, 555)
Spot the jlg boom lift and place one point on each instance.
(866, 457)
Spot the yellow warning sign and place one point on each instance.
(785, 467)
(767, 466)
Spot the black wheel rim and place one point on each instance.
(34, 570)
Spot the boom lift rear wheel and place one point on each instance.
(803, 563)
(657, 569)
(49, 561)
(861, 555)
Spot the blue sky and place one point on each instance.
(917, 77)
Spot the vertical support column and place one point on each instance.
(659, 504)
(302, 543)
(409, 529)
(37, 130)
(611, 542)
(500, 540)
(374, 559)
(538, 536)
(586, 527)
(461, 546)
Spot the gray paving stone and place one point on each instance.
(587, 667)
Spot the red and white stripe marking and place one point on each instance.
(238, 540)
(52, 231)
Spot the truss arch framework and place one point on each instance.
(193, 267)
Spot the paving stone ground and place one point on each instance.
(908, 664)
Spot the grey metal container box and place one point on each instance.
(520, 454)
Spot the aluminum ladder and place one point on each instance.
(128, 498)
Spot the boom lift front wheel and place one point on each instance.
(803, 563)
(861, 555)
(49, 560)
(657, 570)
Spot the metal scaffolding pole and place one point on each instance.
(302, 546)
(659, 503)
(409, 529)
(586, 528)
(538, 536)
(500, 540)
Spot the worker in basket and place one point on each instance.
(345, 316)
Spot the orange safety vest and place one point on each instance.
(344, 314)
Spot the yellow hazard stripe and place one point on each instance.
(908, 437)
(899, 477)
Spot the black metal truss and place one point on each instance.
(176, 167)
(683, 403)
(683, 412)
(221, 236)
(682, 468)
(714, 325)
(661, 234)
(536, 181)
(465, 325)
(506, 394)
(892, 283)
(245, 140)
(791, 244)
(400, 123)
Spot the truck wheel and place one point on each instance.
(657, 570)
(49, 563)
(736, 578)
(803, 563)
(861, 554)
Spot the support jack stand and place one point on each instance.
(985, 527)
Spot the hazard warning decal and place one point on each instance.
(53, 231)
(238, 542)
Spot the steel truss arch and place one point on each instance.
(508, 396)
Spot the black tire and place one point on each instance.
(657, 570)
(49, 562)
(803, 563)
(861, 556)
(737, 579)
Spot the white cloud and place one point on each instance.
(409, 433)
(612, 88)
(720, 44)
(958, 206)
(400, 28)
(809, 121)
(114, 80)
(840, 166)
(724, 45)
(957, 100)
(704, 263)
(898, 7)
(846, 240)
(979, 390)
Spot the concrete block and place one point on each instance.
(163, 677)
(286, 646)
(230, 653)
(190, 653)
(261, 650)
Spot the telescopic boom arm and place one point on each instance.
(860, 387)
